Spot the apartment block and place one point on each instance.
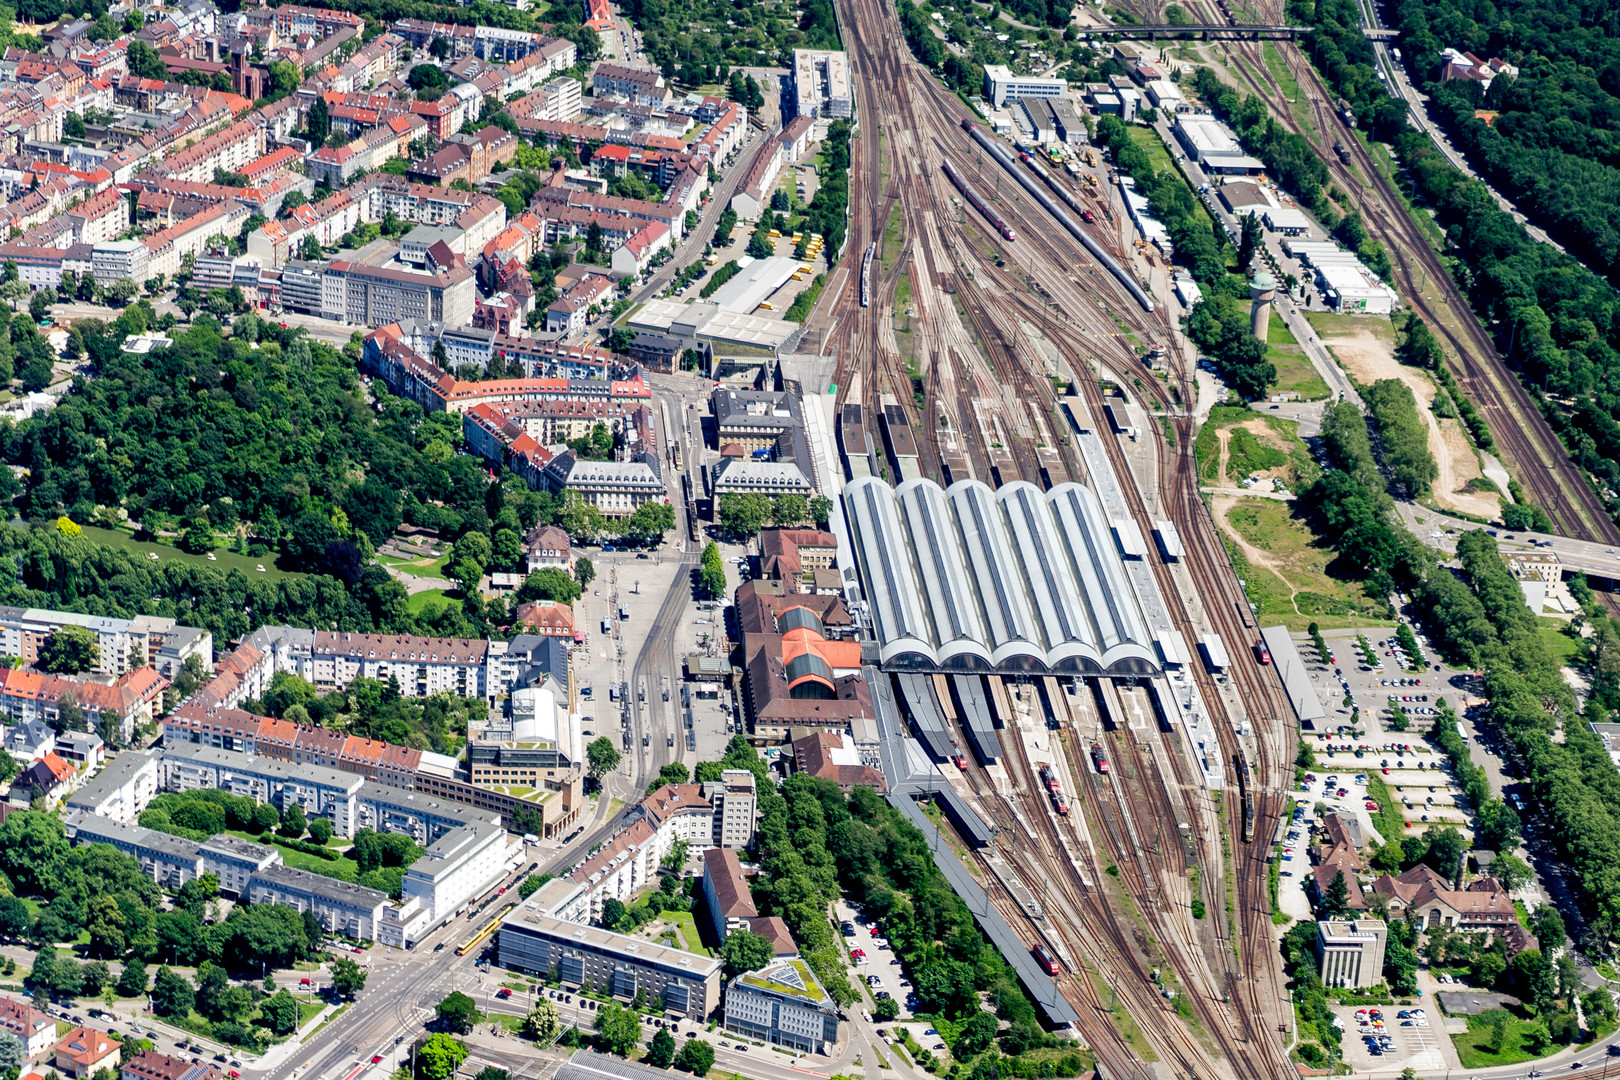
(320, 791)
(121, 790)
(1350, 953)
(539, 944)
(342, 907)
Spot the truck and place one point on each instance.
(624, 613)
(607, 626)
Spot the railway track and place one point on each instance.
(1529, 447)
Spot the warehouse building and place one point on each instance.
(1002, 86)
(969, 579)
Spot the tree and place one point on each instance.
(458, 1012)
(821, 510)
(309, 249)
(320, 830)
(348, 978)
(744, 950)
(13, 1054)
(759, 245)
(1336, 901)
(618, 1029)
(593, 237)
(550, 583)
(172, 993)
(439, 1057)
(293, 821)
(70, 650)
(886, 1009)
(612, 912)
(976, 1036)
(320, 121)
(789, 510)
(280, 1011)
(743, 515)
(15, 918)
(132, 981)
(1513, 872)
(696, 1057)
(105, 923)
(39, 307)
(143, 61)
(542, 1022)
(650, 521)
(1250, 242)
(584, 572)
(601, 757)
(1548, 926)
(576, 517)
(122, 291)
(1446, 847)
(661, 1051)
(712, 576)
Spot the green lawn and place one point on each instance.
(1295, 373)
(309, 1010)
(302, 860)
(1563, 648)
(418, 602)
(224, 561)
(691, 940)
(1474, 1045)
(1148, 139)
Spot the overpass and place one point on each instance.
(1599, 562)
(1204, 31)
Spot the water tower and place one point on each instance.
(1261, 291)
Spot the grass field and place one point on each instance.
(1295, 373)
(1331, 324)
(1279, 450)
(418, 602)
(1564, 648)
(224, 561)
(302, 860)
(691, 940)
(1284, 567)
(893, 239)
(1474, 1045)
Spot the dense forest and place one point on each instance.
(259, 439)
(700, 42)
(1556, 321)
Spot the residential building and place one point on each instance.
(1457, 64)
(48, 778)
(342, 907)
(783, 1005)
(730, 905)
(657, 352)
(753, 194)
(29, 740)
(466, 157)
(539, 944)
(821, 84)
(234, 861)
(151, 1065)
(318, 790)
(642, 85)
(132, 697)
(636, 254)
(459, 866)
(546, 617)
(34, 1029)
(425, 819)
(84, 1051)
(1350, 953)
(122, 644)
(171, 861)
(122, 789)
(548, 546)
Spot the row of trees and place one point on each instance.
(744, 515)
(1403, 437)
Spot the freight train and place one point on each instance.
(978, 204)
(999, 152)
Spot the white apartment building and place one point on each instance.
(342, 907)
(121, 790)
(124, 644)
(459, 866)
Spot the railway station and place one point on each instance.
(967, 579)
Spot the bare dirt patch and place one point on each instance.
(1368, 358)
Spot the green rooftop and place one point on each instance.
(791, 978)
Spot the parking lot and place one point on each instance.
(1366, 667)
(1406, 1038)
(875, 964)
